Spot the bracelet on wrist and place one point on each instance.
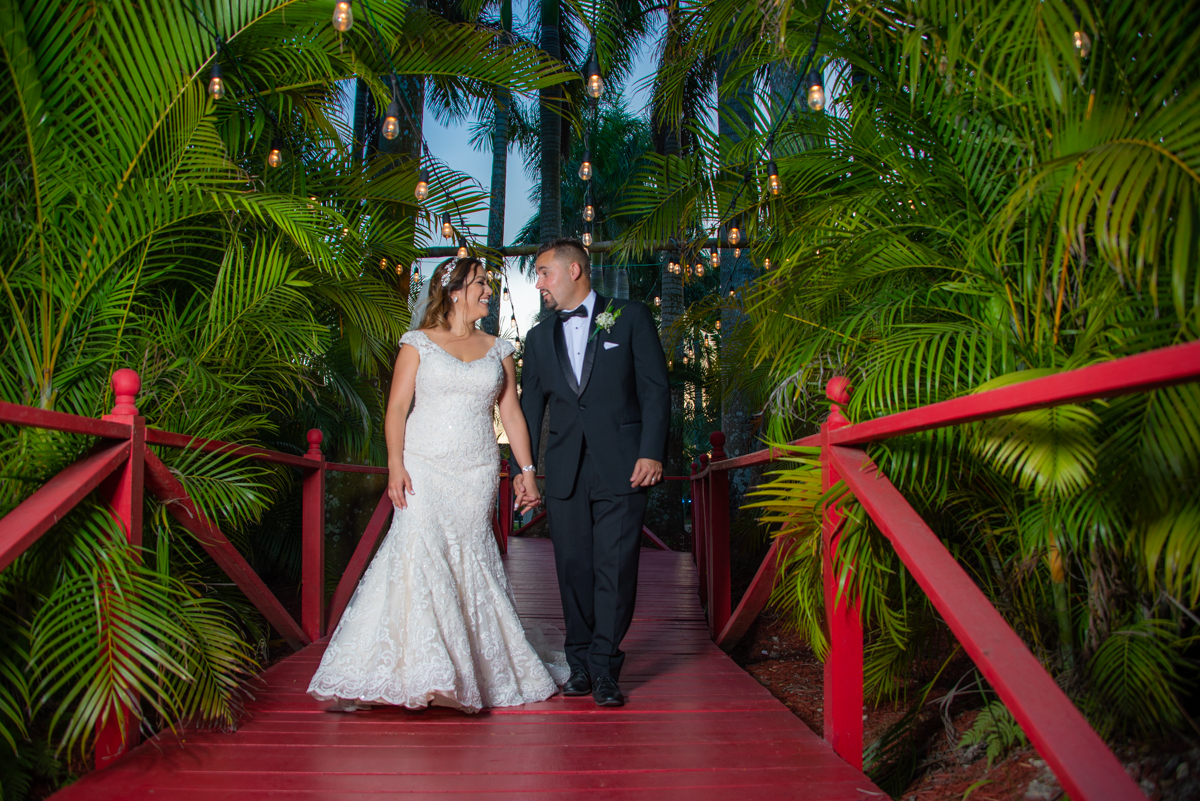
(527, 468)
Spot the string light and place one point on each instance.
(1083, 42)
(216, 84)
(447, 227)
(391, 124)
(585, 169)
(587, 236)
(773, 178)
(657, 300)
(343, 16)
(699, 270)
(816, 91)
(422, 190)
(275, 157)
(735, 233)
(737, 253)
(595, 82)
(589, 213)
(462, 248)
(716, 257)
(766, 264)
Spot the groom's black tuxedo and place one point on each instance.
(616, 413)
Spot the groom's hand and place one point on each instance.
(646, 473)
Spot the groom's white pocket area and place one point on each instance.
(611, 345)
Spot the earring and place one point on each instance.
(454, 298)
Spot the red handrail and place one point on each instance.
(1080, 759)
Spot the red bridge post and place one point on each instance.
(700, 522)
(844, 665)
(118, 729)
(312, 570)
(718, 510)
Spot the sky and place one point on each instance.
(452, 145)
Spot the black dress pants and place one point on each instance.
(597, 536)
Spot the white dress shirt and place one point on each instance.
(575, 332)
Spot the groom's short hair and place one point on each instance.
(570, 248)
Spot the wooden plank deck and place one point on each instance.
(695, 727)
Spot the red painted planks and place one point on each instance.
(696, 726)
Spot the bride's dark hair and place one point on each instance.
(437, 311)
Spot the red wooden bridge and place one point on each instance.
(696, 726)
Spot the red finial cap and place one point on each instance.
(126, 384)
(315, 438)
(717, 440)
(838, 391)
(703, 460)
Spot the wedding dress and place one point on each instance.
(433, 620)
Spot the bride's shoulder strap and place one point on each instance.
(504, 348)
(417, 339)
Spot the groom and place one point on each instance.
(599, 366)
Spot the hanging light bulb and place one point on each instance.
(343, 16)
(816, 91)
(716, 257)
(773, 178)
(589, 213)
(275, 157)
(699, 270)
(587, 237)
(447, 228)
(216, 84)
(735, 233)
(391, 121)
(718, 321)
(766, 264)
(585, 169)
(462, 249)
(520, 362)
(383, 263)
(595, 83)
(422, 190)
(657, 300)
(506, 293)
(1083, 42)
(514, 319)
(688, 269)
(737, 253)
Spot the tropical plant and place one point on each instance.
(982, 203)
(142, 227)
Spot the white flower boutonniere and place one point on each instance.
(606, 319)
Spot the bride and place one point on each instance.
(433, 621)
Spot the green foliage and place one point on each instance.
(979, 205)
(995, 726)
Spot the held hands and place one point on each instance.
(526, 491)
(646, 473)
(399, 483)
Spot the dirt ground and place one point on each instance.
(775, 655)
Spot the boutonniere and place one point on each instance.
(606, 320)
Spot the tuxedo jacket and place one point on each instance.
(621, 405)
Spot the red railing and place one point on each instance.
(121, 468)
(1080, 759)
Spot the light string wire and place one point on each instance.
(201, 20)
(770, 143)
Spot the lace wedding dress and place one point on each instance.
(433, 619)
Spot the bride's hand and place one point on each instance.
(399, 484)
(533, 497)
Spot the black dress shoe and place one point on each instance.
(607, 693)
(578, 684)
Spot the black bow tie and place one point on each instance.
(581, 311)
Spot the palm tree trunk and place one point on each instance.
(551, 125)
(495, 235)
(736, 273)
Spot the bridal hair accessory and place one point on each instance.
(446, 275)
